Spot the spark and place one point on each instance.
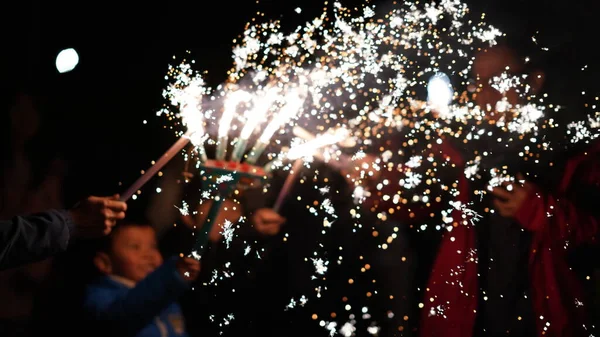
(356, 76)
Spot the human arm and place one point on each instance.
(31, 238)
(560, 218)
(128, 313)
(34, 237)
(568, 217)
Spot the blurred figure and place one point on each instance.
(137, 293)
(493, 62)
(23, 192)
(509, 275)
(392, 257)
(235, 265)
(28, 189)
(269, 258)
(321, 281)
(35, 219)
(236, 260)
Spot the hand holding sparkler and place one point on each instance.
(267, 221)
(511, 196)
(96, 216)
(188, 268)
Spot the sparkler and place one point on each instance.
(293, 104)
(261, 106)
(164, 159)
(364, 72)
(230, 106)
(192, 117)
(306, 149)
(287, 185)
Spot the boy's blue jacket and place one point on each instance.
(148, 309)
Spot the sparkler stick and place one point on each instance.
(202, 153)
(197, 139)
(256, 151)
(193, 120)
(291, 108)
(297, 153)
(166, 157)
(254, 116)
(221, 148)
(238, 151)
(270, 165)
(230, 107)
(302, 133)
(287, 185)
(316, 143)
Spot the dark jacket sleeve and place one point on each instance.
(31, 238)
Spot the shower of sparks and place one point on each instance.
(347, 330)
(367, 72)
(293, 303)
(224, 178)
(438, 310)
(227, 320)
(228, 230)
(320, 266)
(185, 208)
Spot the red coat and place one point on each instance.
(451, 297)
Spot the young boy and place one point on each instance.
(137, 294)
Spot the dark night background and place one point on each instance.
(125, 49)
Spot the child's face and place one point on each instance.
(134, 253)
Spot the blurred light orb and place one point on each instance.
(439, 90)
(66, 60)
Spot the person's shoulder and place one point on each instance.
(103, 289)
(174, 308)
(174, 316)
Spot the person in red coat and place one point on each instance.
(511, 274)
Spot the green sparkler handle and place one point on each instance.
(238, 151)
(202, 153)
(242, 175)
(221, 148)
(256, 151)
